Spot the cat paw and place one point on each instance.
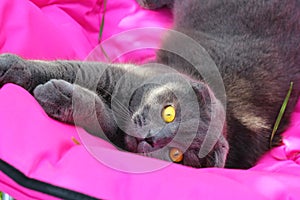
(154, 4)
(13, 69)
(55, 96)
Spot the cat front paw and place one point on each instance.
(14, 69)
(154, 4)
(55, 96)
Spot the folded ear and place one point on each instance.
(220, 152)
(214, 143)
(202, 92)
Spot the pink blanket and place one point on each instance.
(45, 149)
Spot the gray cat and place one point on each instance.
(180, 116)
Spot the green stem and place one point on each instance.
(281, 112)
(101, 30)
(102, 21)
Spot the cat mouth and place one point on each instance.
(154, 143)
(145, 145)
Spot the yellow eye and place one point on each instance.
(168, 114)
(176, 155)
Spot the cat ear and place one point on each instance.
(215, 138)
(203, 93)
(220, 152)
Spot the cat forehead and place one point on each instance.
(160, 92)
(169, 91)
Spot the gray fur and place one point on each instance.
(255, 45)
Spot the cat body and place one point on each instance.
(254, 45)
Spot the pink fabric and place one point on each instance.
(42, 148)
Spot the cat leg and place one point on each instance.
(31, 73)
(74, 104)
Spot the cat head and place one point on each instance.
(168, 119)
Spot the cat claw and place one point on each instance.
(154, 4)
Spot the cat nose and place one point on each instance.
(149, 141)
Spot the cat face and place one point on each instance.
(168, 118)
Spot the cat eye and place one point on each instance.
(168, 114)
(176, 155)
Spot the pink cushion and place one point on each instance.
(43, 148)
